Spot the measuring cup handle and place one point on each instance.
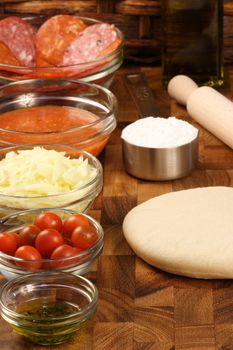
(141, 94)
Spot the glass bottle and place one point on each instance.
(193, 40)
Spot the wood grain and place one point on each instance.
(141, 307)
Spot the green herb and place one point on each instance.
(40, 310)
(39, 324)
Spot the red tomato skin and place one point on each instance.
(77, 250)
(48, 220)
(84, 236)
(17, 238)
(48, 240)
(64, 251)
(72, 222)
(30, 253)
(8, 243)
(28, 234)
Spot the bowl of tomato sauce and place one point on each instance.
(59, 46)
(48, 240)
(57, 111)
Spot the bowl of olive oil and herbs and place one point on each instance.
(48, 308)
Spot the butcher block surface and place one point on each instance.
(141, 307)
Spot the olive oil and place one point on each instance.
(193, 40)
(41, 324)
(38, 309)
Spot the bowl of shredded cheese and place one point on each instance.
(48, 176)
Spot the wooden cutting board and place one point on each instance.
(141, 307)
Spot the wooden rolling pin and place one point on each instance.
(204, 104)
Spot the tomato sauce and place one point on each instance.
(53, 125)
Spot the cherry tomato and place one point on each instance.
(84, 236)
(77, 250)
(48, 220)
(72, 222)
(48, 240)
(17, 238)
(64, 251)
(28, 234)
(8, 243)
(29, 253)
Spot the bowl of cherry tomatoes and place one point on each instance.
(43, 240)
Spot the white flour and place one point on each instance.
(159, 132)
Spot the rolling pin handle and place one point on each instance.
(206, 106)
(180, 88)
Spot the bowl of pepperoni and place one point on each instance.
(49, 240)
(61, 46)
(57, 111)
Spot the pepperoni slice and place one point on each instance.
(18, 35)
(110, 48)
(40, 61)
(90, 43)
(6, 56)
(55, 35)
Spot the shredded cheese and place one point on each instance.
(39, 172)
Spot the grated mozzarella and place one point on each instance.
(39, 173)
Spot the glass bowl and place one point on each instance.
(44, 181)
(57, 111)
(49, 308)
(78, 264)
(101, 70)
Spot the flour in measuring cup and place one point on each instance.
(156, 132)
